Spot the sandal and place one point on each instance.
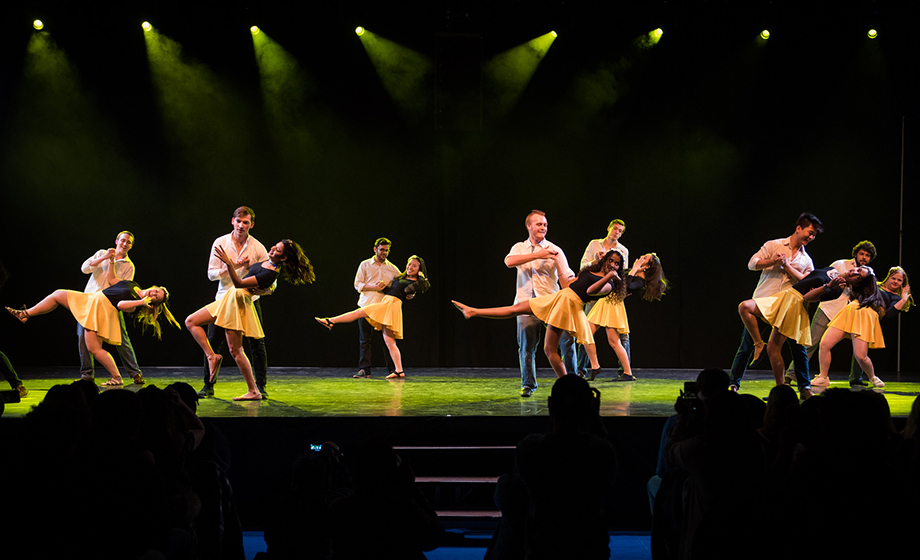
(396, 375)
(114, 382)
(325, 322)
(20, 314)
(216, 369)
(138, 379)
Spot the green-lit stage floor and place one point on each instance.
(331, 392)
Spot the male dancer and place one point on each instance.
(373, 277)
(540, 267)
(98, 267)
(781, 262)
(246, 251)
(863, 253)
(595, 251)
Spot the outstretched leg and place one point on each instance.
(551, 348)
(195, 325)
(506, 312)
(47, 305)
(861, 353)
(349, 317)
(235, 342)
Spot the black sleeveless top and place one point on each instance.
(121, 291)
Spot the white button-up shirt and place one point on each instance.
(371, 272)
(124, 269)
(538, 277)
(772, 279)
(217, 270)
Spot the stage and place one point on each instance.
(434, 392)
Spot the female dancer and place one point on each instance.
(786, 313)
(98, 313)
(386, 315)
(860, 320)
(610, 313)
(235, 312)
(564, 310)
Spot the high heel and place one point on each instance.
(758, 352)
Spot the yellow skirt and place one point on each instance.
(564, 310)
(236, 312)
(786, 312)
(861, 323)
(386, 313)
(610, 314)
(96, 313)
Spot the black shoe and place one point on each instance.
(263, 392)
(624, 377)
(594, 373)
(858, 383)
(362, 374)
(527, 391)
(207, 391)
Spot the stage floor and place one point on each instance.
(444, 392)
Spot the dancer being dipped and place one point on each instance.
(386, 315)
(786, 313)
(610, 313)
(235, 312)
(860, 320)
(563, 311)
(98, 313)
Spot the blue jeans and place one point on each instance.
(530, 338)
(125, 351)
(746, 352)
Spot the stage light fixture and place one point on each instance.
(872, 33)
(254, 29)
(764, 34)
(146, 26)
(38, 25)
(359, 31)
(554, 34)
(658, 33)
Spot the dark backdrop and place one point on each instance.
(707, 144)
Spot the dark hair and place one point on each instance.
(532, 212)
(866, 292)
(381, 241)
(656, 284)
(244, 210)
(422, 284)
(866, 246)
(618, 221)
(808, 219)
(619, 283)
(295, 268)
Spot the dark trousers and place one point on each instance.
(746, 351)
(8, 372)
(254, 348)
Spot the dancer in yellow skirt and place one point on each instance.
(386, 315)
(235, 312)
(785, 311)
(860, 320)
(610, 312)
(564, 311)
(98, 313)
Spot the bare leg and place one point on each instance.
(94, 345)
(194, 323)
(749, 313)
(591, 351)
(235, 342)
(50, 303)
(775, 352)
(613, 338)
(349, 317)
(831, 337)
(390, 340)
(551, 347)
(861, 353)
(506, 312)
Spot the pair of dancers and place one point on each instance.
(563, 311)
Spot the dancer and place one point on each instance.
(610, 312)
(541, 267)
(563, 311)
(96, 266)
(386, 315)
(372, 279)
(235, 311)
(895, 289)
(781, 262)
(787, 314)
(595, 251)
(98, 313)
(860, 320)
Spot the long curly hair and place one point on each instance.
(295, 268)
(655, 284)
(618, 293)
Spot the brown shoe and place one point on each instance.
(22, 391)
(138, 379)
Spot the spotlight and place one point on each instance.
(359, 31)
(254, 29)
(872, 33)
(658, 33)
(764, 34)
(146, 25)
(554, 34)
(38, 25)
